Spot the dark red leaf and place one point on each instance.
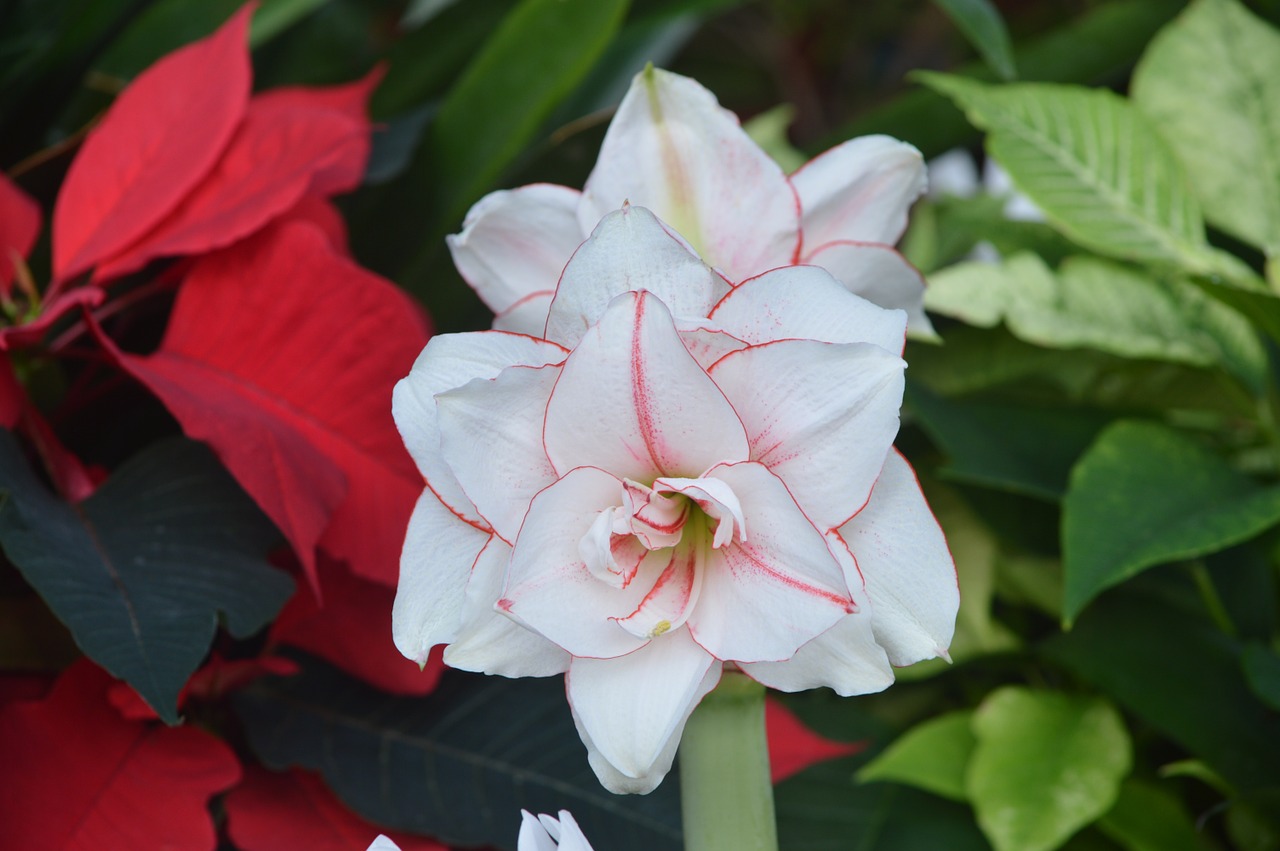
(294, 809)
(19, 226)
(793, 747)
(324, 215)
(32, 333)
(281, 354)
(13, 399)
(352, 630)
(157, 142)
(92, 780)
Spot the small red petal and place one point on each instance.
(19, 226)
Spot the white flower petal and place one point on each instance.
(384, 843)
(806, 303)
(765, 596)
(492, 643)
(570, 837)
(629, 250)
(673, 594)
(534, 834)
(673, 149)
(435, 565)
(491, 436)
(526, 316)
(820, 416)
(706, 342)
(515, 242)
(879, 274)
(633, 401)
(909, 572)
(859, 190)
(631, 711)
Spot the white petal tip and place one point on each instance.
(943, 654)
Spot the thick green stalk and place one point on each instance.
(725, 792)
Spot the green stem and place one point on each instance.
(725, 791)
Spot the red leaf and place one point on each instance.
(13, 399)
(92, 780)
(321, 213)
(19, 225)
(291, 142)
(352, 630)
(218, 677)
(793, 747)
(159, 139)
(281, 354)
(295, 809)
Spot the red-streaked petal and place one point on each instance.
(629, 250)
(707, 343)
(673, 149)
(909, 572)
(526, 316)
(764, 597)
(845, 658)
(633, 401)
(879, 274)
(631, 711)
(820, 416)
(859, 190)
(717, 501)
(673, 595)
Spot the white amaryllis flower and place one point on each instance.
(672, 149)
(545, 833)
(680, 475)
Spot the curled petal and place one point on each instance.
(717, 500)
(633, 401)
(820, 416)
(879, 274)
(909, 572)
(610, 551)
(435, 566)
(631, 711)
(673, 595)
(673, 149)
(859, 190)
(514, 243)
(806, 303)
(656, 520)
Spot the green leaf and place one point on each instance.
(932, 756)
(769, 131)
(1262, 669)
(1143, 495)
(1147, 817)
(982, 25)
(458, 764)
(1262, 307)
(1045, 765)
(1091, 163)
(1210, 82)
(140, 571)
(1101, 305)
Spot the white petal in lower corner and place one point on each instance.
(630, 711)
(859, 190)
(845, 658)
(909, 573)
(879, 274)
(489, 642)
(435, 566)
(516, 242)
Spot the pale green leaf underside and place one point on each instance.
(982, 25)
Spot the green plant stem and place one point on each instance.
(725, 791)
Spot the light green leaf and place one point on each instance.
(931, 756)
(1045, 765)
(1143, 495)
(1101, 305)
(1149, 818)
(1210, 82)
(982, 25)
(1091, 163)
(769, 131)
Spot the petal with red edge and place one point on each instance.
(763, 597)
(820, 416)
(859, 190)
(629, 250)
(909, 572)
(673, 595)
(19, 225)
(515, 243)
(673, 149)
(491, 436)
(706, 342)
(435, 566)
(489, 641)
(631, 711)
(806, 303)
(526, 316)
(879, 274)
(633, 401)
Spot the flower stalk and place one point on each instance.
(725, 788)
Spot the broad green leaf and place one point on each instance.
(1144, 495)
(1262, 670)
(458, 764)
(1262, 307)
(140, 571)
(1210, 82)
(1147, 817)
(982, 25)
(1045, 765)
(1091, 163)
(1101, 305)
(932, 756)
